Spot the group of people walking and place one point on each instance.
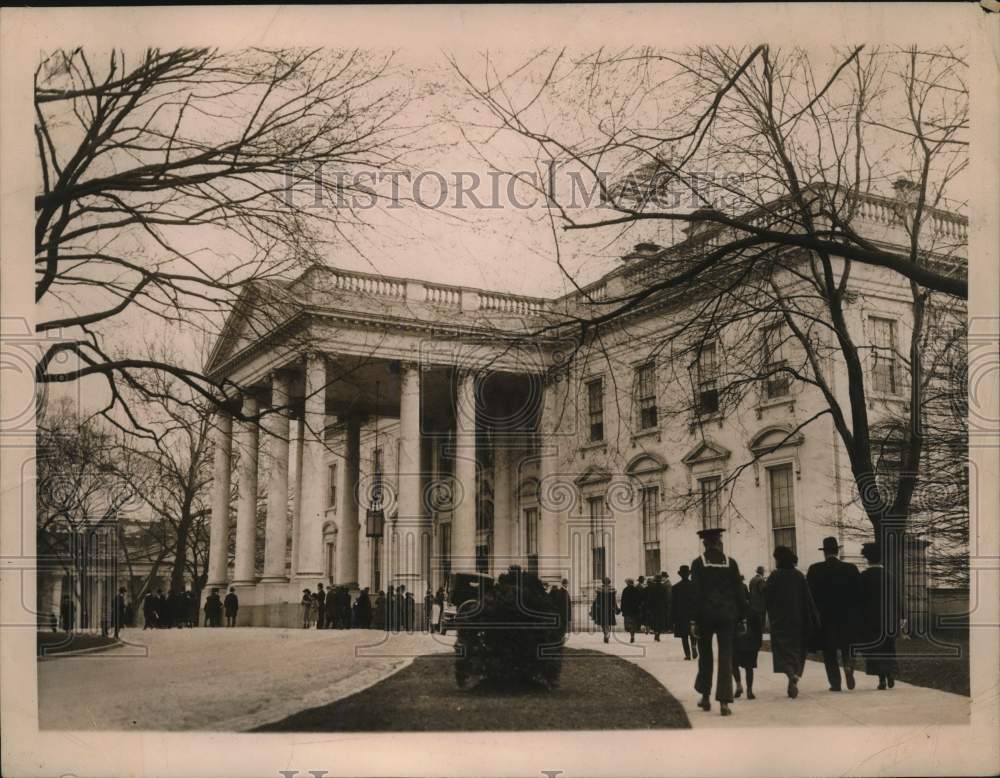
(833, 608)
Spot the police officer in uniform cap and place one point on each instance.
(720, 607)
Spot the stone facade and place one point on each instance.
(488, 434)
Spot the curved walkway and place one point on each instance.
(905, 705)
(241, 678)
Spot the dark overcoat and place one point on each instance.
(605, 607)
(836, 590)
(631, 601)
(793, 618)
(682, 607)
(657, 606)
(880, 612)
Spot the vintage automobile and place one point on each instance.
(507, 632)
(466, 593)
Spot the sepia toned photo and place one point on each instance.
(407, 402)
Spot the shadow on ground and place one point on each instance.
(596, 691)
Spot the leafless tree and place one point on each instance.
(84, 483)
(165, 192)
(783, 240)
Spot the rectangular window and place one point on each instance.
(332, 490)
(711, 510)
(595, 409)
(650, 496)
(707, 400)
(531, 538)
(777, 380)
(645, 395)
(598, 554)
(782, 505)
(884, 352)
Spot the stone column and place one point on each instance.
(246, 509)
(463, 530)
(276, 528)
(347, 513)
(218, 541)
(550, 493)
(313, 512)
(410, 499)
(503, 507)
(297, 506)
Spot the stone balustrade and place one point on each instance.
(509, 303)
(447, 296)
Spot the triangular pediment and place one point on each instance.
(706, 451)
(257, 311)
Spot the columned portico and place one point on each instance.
(246, 511)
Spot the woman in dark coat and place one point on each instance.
(657, 606)
(378, 612)
(682, 611)
(364, 609)
(792, 615)
(631, 608)
(391, 610)
(880, 612)
(604, 609)
(746, 645)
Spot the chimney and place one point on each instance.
(643, 251)
(906, 191)
(698, 227)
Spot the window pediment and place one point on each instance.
(706, 451)
(645, 464)
(775, 437)
(592, 476)
(528, 489)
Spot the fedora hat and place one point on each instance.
(830, 546)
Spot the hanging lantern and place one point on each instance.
(375, 523)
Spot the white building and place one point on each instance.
(495, 436)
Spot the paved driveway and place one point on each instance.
(216, 679)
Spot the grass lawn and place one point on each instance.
(919, 666)
(60, 642)
(926, 663)
(595, 691)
